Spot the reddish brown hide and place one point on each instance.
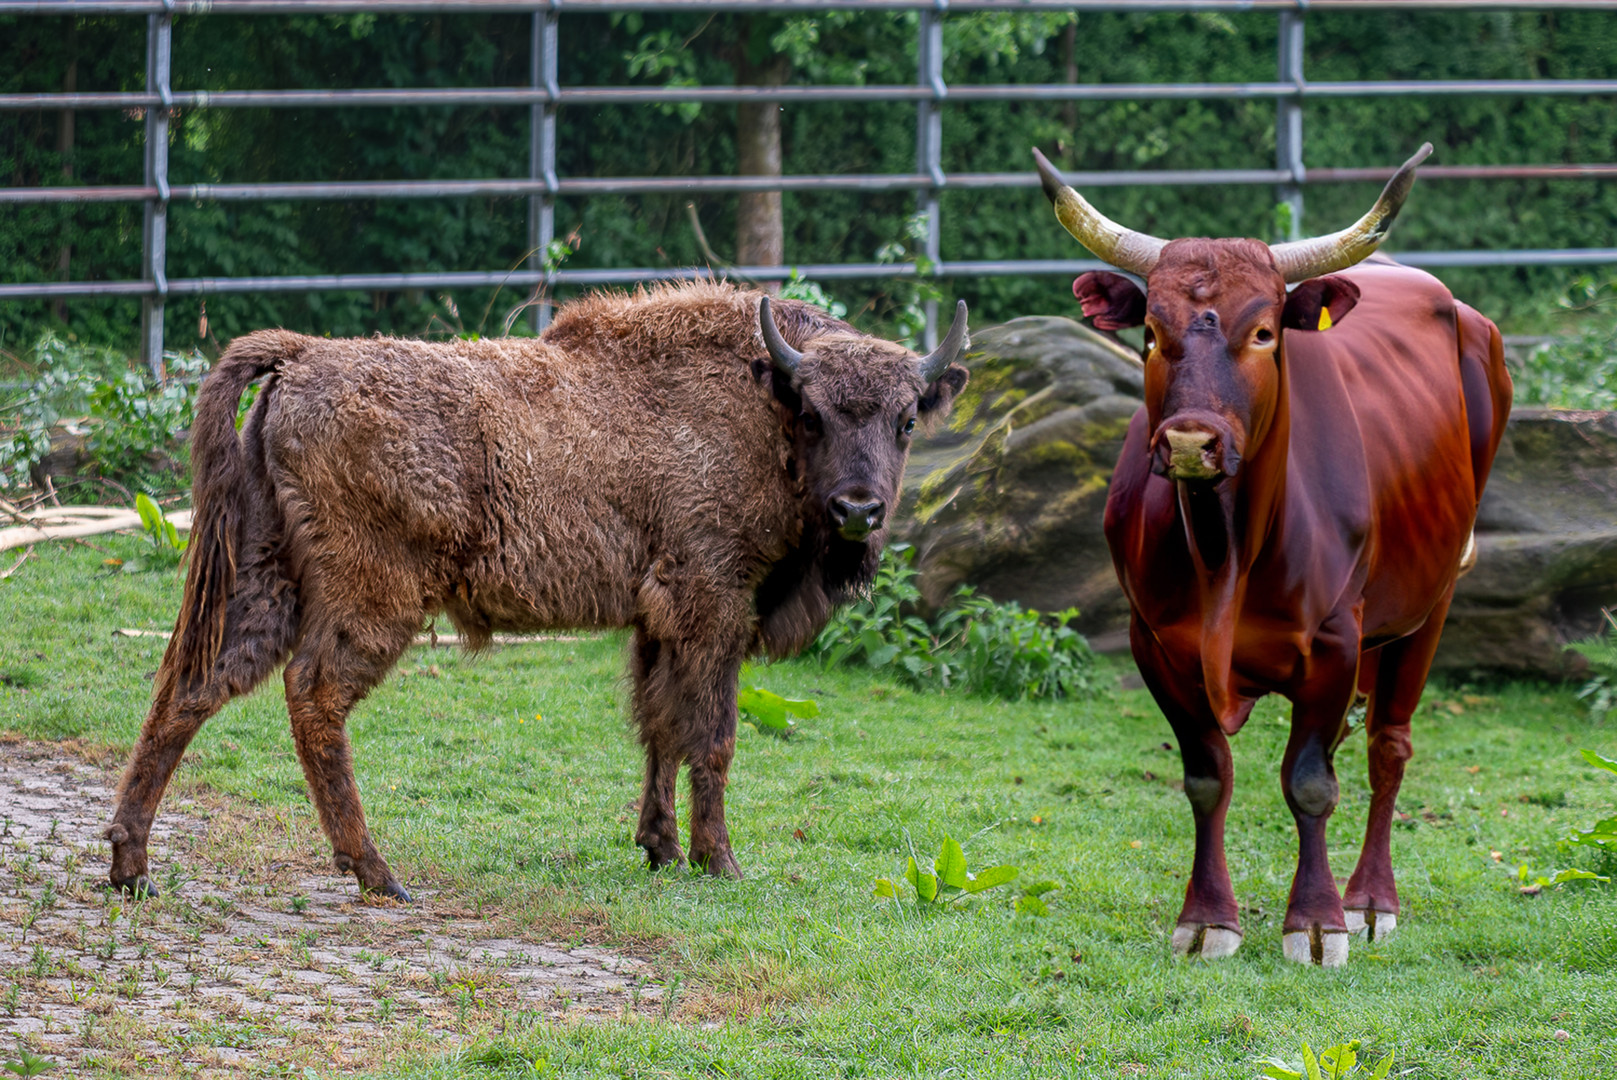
(663, 461)
(1288, 516)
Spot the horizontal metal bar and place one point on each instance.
(814, 271)
(515, 96)
(322, 7)
(714, 185)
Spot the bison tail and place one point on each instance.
(220, 493)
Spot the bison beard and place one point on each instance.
(639, 466)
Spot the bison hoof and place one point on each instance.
(720, 864)
(1208, 942)
(659, 858)
(1374, 925)
(391, 889)
(1325, 948)
(139, 887)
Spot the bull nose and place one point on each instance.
(1193, 453)
(857, 519)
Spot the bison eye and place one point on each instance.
(1264, 336)
(908, 428)
(811, 422)
(1150, 340)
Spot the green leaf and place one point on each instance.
(885, 890)
(1279, 1070)
(912, 874)
(150, 516)
(951, 864)
(1341, 1059)
(989, 878)
(1039, 888)
(1383, 1068)
(1310, 1065)
(1600, 761)
(1031, 905)
(1575, 875)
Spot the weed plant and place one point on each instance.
(974, 643)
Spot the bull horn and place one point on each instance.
(948, 351)
(1125, 249)
(785, 357)
(1300, 260)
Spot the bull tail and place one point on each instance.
(221, 493)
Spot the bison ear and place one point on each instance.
(1111, 301)
(937, 399)
(778, 386)
(1319, 303)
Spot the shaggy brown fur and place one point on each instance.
(641, 465)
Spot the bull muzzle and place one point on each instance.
(857, 517)
(1195, 450)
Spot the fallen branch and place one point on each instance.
(68, 522)
(17, 565)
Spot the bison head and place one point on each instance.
(1214, 313)
(853, 403)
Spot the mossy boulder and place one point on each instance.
(1009, 498)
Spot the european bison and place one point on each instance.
(669, 461)
(1289, 514)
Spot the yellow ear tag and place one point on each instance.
(1324, 318)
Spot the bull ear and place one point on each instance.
(938, 397)
(1111, 300)
(1319, 303)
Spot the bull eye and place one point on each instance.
(1150, 340)
(811, 422)
(1264, 337)
(908, 428)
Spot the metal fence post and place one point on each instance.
(154, 234)
(542, 151)
(929, 145)
(1289, 121)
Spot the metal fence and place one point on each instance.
(545, 98)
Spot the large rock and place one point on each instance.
(1009, 498)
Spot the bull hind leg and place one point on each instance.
(260, 625)
(658, 831)
(327, 676)
(1371, 900)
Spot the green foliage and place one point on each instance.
(800, 288)
(950, 881)
(1577, 370)
(1602, 836)
(772, 712)
(27, 1063)
(167, 545)
(133, 424)
(1339, 1062)
(857, 46)
(976, 644)
(1599, 692)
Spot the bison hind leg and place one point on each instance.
(260, 626)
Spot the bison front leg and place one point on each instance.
(322, 685)
(651, 666)
(711, 744)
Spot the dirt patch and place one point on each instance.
(257, 955)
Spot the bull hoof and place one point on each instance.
(1323, 948)
(139, 887)
(1372, 924)
(665, 855)
(1207, 942)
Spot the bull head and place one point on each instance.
(853, 402)
(1214, 311)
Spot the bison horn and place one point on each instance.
(785, 357)
(1303, 259)
(1125, 249)
(948, 351)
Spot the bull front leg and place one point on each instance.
(650, 664)
(1315, 930)
(1209, 924)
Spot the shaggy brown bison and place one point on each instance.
(670, 461)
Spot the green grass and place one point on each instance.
(798, 972)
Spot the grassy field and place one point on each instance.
(507, 782)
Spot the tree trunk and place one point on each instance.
(64, 150)
(760, 229)
(1069, 56)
